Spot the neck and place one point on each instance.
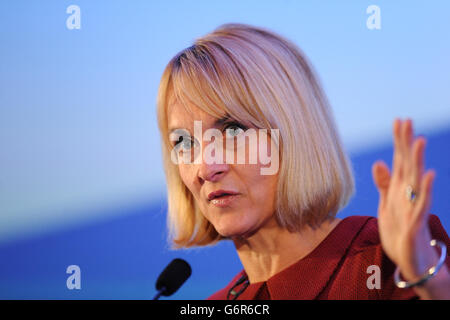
(272, 248)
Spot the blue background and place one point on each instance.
(81, 178)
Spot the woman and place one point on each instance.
(239, 80)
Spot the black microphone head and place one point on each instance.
(173, 276)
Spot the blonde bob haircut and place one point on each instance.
(255, 75)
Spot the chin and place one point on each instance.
(229, 230)
(233, 230)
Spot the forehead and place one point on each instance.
(180, 116)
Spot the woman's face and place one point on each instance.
(253, 202)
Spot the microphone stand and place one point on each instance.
(160, 292)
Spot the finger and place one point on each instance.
(381, 177)
(423, 204)
(406, 142)
(397, 156)
(418, 165)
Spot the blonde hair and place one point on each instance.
(255, 75)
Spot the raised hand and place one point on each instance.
(403, 216)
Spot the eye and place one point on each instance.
(234, 129)
(181, 140)
(185, 143)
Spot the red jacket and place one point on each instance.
(337, 268)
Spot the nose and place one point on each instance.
(209, 169)
(212, 172)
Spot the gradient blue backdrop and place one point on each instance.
(81, 178)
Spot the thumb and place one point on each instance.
(381, 177)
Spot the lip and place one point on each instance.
(217, 193)
(224, 201)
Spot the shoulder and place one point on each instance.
(367, 235)
(364, 227)
(366, 263)
(366, 243)
(355, 234)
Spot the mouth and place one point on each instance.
(220, 194)
(222, 198)
(224, 201)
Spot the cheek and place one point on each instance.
(265, 190)
(187, 176)
(261, 189)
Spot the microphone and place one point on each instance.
(172, 277)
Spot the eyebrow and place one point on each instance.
(219, 122)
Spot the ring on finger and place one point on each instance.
(411, 194)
